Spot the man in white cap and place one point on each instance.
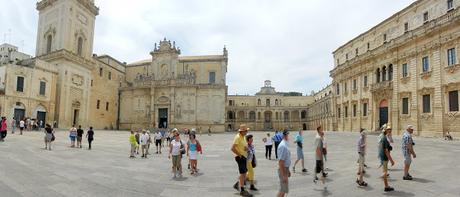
(408, 150)
(361, 146)
(240, 149)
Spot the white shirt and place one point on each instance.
(269, 141)
(21, 123)
(175, 147)
(158, 136)
(144, 139)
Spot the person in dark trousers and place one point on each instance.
(268, 146)
(277, 138)
(3, 128)
(90, 136)
(79, 136)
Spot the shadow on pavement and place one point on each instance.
(421, 180)
(399, 193)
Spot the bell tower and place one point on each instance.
(66, 25)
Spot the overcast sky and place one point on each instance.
(286, 41)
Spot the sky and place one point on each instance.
(289, 42)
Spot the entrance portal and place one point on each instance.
(163, 118)
(41, 116)
(76, 113)
(304, 126)
(383, 113)
(19, 114)
(268, 120)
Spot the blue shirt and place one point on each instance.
(299, 138)
(406, 140)
(278, 137)
(284, 153)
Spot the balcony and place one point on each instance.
(382, 86)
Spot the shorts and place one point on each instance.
(192, 155)
(407, 159)
(242, 164)
(48, 137)
(21, 128)
(72, 138)
(385, 167)
(299, 153)
(284, 187)
(79, 138)
(157, 142)
(319, 166)
(361, 161)
(176, 161)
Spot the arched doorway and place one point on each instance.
(268, 120)
(19, 111)
(304, 126)
(76, 112)
(383, 113)
(40, 114)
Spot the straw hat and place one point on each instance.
(243, 127)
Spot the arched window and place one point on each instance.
(377, 75)
(276, 101)
(49, 42)
(80, 46)
(267, 102)
(286, 116)
(259, 102)
(390, 72)
(384, 73)
(252, 116)
(303, 114)
(231, 115)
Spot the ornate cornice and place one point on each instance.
(67, 55)
(85, 3)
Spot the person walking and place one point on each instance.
(49, 136)
(90, 136)
(240, 148)
(137, 135)
(277, 139)
(144, 140)
(158, 138)
(319, 156)
(149, 141)
(361, 146)
(284, 162)
(22, 124)
(3, 129)
(300, 157)
(134, 144)
(268, 146)
(13, 125)
(193, 148)
(408, 151)
(176, 149)
(251, 162)
(209, 130)
(79, 136)
(385, 156)
(72, 136)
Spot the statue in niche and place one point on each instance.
(178, 111)
(192, 76)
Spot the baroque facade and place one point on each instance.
(268, 110)
(403, 71)
(321, 111)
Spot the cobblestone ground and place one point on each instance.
(26, 169)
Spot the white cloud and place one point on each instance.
(289, 42)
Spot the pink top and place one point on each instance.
(3, 126)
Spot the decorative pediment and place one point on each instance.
(51, 31)
(426, 90)
(163, 99)
(80, 33)
(405, 94)
(452, 86)
(43, 79)
(77, 80)
(452, 69)
(425, 75)
(405, 80)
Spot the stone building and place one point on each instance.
(321, 112)
(268, 110)
(170, 90)
(405, 70)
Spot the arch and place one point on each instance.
(390, 72)
(383, 103)
(268, 116)
(267, 102)
(303, 114)
(19, 111)
(295, 115)
(276, 101)
(252, 115)
(40, 114)
(383, 112)
(231, 115)
(304, 126)
(49, 43)
(384, 73)
(80, 46)
(259, 102)
(240, 115)
(286, 116)
(377, 75)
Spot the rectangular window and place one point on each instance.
(406, 27)
(365, 81)
(346, 56)
(110, 75)
(426, 103)
(20, 84)
(230, 102)
(425, 64)
(364, 109)
(451, 57)
(355, 86)
(346, 111)
(107, 106)
(100, 72)
(356, 51)
(404, 70)
(405, 106)
(42, 88)
(425, 17)
(98, 104)
(354, 110)
(338, 112)
(338, 89)
(345, 87)
(384, 37)
(453, 100)
(212, 77)
(368, 46)
(450, 4)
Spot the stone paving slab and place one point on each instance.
(26, 169)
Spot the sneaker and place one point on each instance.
(304, 170)
(324, 174)
(389, 189)
(245, 193)
(235, 186)
(253, 188)
(315, 179)
(409, 175)
(362, 184)
(407, 178)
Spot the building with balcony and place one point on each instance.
(403, 71)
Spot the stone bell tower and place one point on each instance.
(66, 25)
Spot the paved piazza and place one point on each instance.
(29, 170)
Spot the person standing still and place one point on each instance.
(137, 135)
(72, 136)
(3, 129)
(319, 156)
(240, 148)
(385, 156)
(176, 149)
(49, 133)
(158, 138)
(22, 124)
(79, 136)
(90, 136)
(361, 146)
(277, 139)
(300, 157)
(284, 162)
(251, 163)
(209, 130)
(408, 151)
(268, 146)
(133, 143)
(13, 125)
(144, 141)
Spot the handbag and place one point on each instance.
(198, 146)
(52, 137)
(254, 163)
(182, 149)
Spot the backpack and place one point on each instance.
(198, 146)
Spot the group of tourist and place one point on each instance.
(76, 135)
(24, 124)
